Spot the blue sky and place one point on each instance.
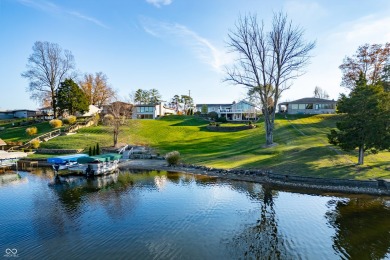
(177, 45)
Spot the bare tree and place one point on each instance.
(96, 88)
(118, 114)
(267, 61)
(320, 93)
(47, 67)
(368, 59)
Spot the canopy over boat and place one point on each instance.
(99, 158)
(66, 158)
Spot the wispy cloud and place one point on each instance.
(159, 3)
(200, 46)
(89, 19)
(52, 8)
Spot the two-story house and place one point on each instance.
(240, 111)
(151, 111)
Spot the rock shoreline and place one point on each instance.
(370, 187)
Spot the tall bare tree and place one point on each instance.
(320, 93)
(97, 89)
(267, 61)
(118, 114)
(47, 67)
(368, 59)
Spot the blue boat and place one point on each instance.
(65, 161)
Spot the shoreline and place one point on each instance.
(288, 182)
(294, 182)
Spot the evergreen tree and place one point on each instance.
(94, 150)
(71, 98)
(90, 151)
(97, 149)
(366, 121)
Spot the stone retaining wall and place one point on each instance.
(58, 151)
(374, 187)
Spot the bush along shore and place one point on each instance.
(371, 187)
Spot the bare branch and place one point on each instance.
(267, 61)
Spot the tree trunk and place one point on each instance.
(54, 105)
(269, 136)
(115, 137)
(361, 155)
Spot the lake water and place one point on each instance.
(160, 215)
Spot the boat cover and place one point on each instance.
(66, 158)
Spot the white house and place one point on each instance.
(92, 110)
(240, 111)
(151, 111)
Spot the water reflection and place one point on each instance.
(260, 240)
(362, 228)
(160, 215)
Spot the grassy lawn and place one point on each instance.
(18, 133)
(302, 146)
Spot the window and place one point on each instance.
(301, 106)
(294, 106)
(309, 106)
(138, 109)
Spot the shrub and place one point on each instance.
(250, 123)
(31, 130)
(172, 158)
(217, 124)
(70, 120)
(35, 143)
(96, 119)
(197, 113)
(107, 119)
(55, 123)
(213, 115)
(221, 119)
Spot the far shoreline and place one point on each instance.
(295, 182)
(332, 186)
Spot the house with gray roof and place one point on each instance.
(237, 111)
(17, 113)
(309, 106)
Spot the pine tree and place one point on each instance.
(366, 121)
(90, 151)
(94, 151)
(97, 149)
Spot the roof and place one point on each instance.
(225, 105)
(214, 105)
(2, 143)
(309, 100)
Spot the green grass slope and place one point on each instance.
(302, 146)
(18, 133)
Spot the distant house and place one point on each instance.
(18, 113)
(240, 111)
(46, 113)
(309, 106)
(151, 111)
(213, 107)
(92, 110)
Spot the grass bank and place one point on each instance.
(302, 146)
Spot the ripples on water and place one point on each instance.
(163, 215)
